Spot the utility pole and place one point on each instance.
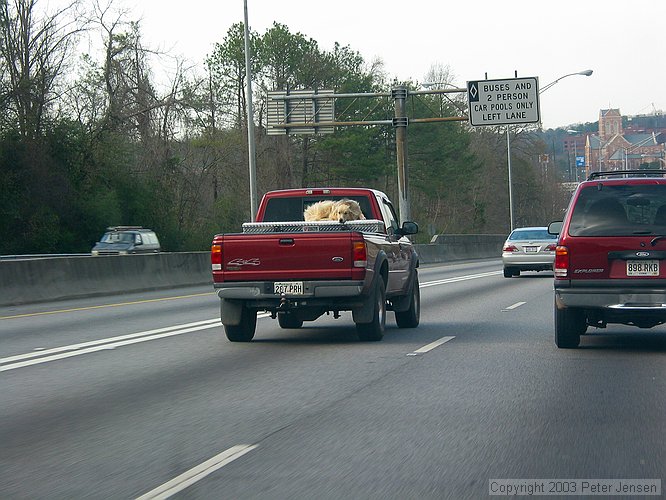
(400, 122)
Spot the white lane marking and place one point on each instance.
(193, 475)
(45, 356)
(83, 345)
(514, 306)
(431, 346)
(459, 278)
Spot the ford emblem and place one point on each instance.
(642, 254)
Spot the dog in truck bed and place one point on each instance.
(341, 211)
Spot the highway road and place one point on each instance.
(142, 396)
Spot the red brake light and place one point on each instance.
(561, 266)
(551, 248)
(216, 257)
(510, 248)
(359, 254)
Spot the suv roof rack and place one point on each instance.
(628, 173)
(123, 228)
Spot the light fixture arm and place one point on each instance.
(587, 72)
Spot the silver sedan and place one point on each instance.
(528, 249)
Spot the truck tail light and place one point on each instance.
(359, 254)
(216, 257)
(561, 266)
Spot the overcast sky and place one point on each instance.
(621, 41)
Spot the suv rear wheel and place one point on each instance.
(570, 324)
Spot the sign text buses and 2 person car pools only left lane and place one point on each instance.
(503, 102)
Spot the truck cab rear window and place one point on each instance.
(292, 208)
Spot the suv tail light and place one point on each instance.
(561, 266)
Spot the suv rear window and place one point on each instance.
(620, 210)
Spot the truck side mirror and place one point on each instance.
(408, 227)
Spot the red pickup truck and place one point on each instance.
(299, 270)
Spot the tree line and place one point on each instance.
(90, 140)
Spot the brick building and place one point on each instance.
(614, 149)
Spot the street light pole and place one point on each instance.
(251, 156)
(586, 72)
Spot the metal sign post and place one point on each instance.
(504, 102)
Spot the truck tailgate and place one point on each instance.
(288, 256)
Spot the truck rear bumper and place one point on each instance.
(311, 289)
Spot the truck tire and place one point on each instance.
(289, 320)
(570, 324)
(244, 331)
(411, 317)
(374, 330)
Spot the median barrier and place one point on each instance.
(30, 280)
(46, 279)
(454, 247)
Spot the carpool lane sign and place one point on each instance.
(503, 102)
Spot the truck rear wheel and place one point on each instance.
(289, 320)
(374, 330)
(411, 317)
(244, 331)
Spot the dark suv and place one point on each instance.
(610, 262)
(124, 240)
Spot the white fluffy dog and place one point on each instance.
(341, 211)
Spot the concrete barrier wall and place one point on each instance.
(452, 247)
(38, 280)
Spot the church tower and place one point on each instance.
(610, 124)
